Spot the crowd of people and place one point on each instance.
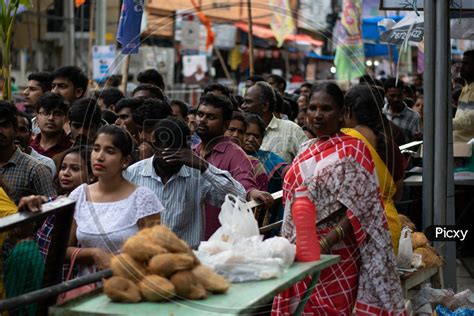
(138, 160)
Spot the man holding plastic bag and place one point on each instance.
(182, 181)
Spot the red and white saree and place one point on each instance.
(339, 171)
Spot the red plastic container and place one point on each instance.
(304, 217)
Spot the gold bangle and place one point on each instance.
(324, 244)
(339, 232)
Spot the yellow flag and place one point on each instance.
(282, 23)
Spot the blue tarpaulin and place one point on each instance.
(317, 56)
(379, 50)
(371, 35)
(370, 29)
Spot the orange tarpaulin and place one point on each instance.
(265, 32)
(207, 23)
(78, 3)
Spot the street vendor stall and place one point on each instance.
(241, 298)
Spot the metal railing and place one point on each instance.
(26, 268)
(49, 294)
(255, 205)
(190, 95)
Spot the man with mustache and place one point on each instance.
(213, 116)
(23, 140)
(84, 119)
(146, 117)
(51, 117)
(22, 174)
(399, 113)
(182, 181)
(70, 82)
(38, 84)
(281, 136)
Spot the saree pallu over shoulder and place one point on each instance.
(387, 188)
(339, 171)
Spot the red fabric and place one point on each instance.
(230, 157)
(65, 142)
(78, 3)
(336, 290)
(207, 23)
(267, 33)
(339, 170)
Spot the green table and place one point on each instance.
(241, 298)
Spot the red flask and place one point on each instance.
(304, 217)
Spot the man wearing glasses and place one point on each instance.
(23, 141)
(21, 173)
(52, 114)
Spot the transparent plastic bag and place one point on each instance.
(250, 259)
(405, 250)
(237, 250)
(446, 297)
(237, 221)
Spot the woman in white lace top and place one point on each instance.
(112, 209)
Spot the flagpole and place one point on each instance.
(224, 66)
(249, 13)
(390, 54)
(126, 65)
(91, 29)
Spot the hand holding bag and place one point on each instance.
(69, 295)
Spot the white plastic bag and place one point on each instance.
(250, 258)
(279, 247)
(237, 251)
(429, 296)
(237, 221)
(405, 250)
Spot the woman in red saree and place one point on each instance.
(341, 179)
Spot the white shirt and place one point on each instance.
(283, 138)
(107, 225)
(184, 195)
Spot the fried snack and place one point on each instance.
(211, 281)
(156, 289)
(430, 258)
(164, 237)
(418, 240)
(145, 232)
(187, 286)
(142, 248)
(125, 266)
(122, 290)
(168, 263)
(405, 221)
(196, 260)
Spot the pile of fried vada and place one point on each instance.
(155, 266)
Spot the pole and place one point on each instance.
(428, 113)
(222, 62)
(390, 54)
(101, 22)
(68, 52)
(441, 156)
(126, 65)
(91, 29)
(249, 13)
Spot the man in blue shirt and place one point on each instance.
(182, 181)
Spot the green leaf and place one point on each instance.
(26, 3)
(4, 15)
